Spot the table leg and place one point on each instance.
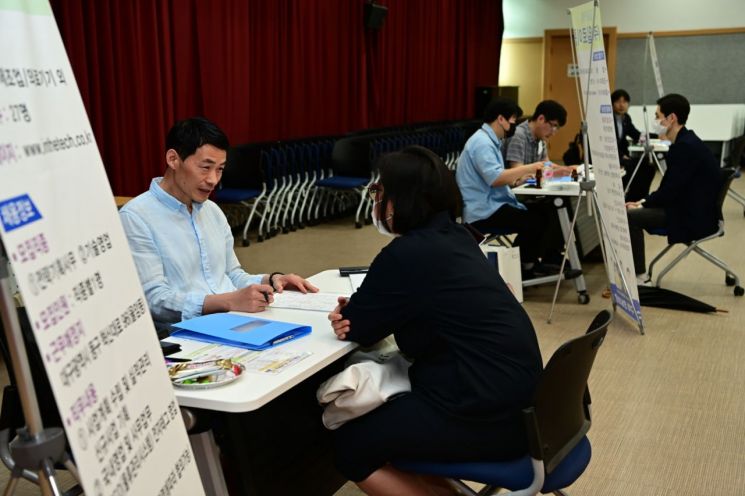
(573, 256)
(207, 456)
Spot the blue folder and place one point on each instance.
(242, 331)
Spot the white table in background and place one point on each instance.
(560, 192)
(714, 122)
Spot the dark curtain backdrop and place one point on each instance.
(269, 69)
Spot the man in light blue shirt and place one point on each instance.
(181, 241)
(488, 201)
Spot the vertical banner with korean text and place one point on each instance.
(62, 234)
(655, 66)
(601, 135)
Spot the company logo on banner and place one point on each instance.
(588, 44)
(62, 234)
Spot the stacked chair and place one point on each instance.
(285, 186)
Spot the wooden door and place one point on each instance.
(559, 85)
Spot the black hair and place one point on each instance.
(551, 110)
(189, 134)
(501, 106)
(418, 185)
(618, 94)
(675, 104)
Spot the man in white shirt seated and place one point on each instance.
(181, 241)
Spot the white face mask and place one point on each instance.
(659, 128)
(379, 225)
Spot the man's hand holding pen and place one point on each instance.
(256, 298)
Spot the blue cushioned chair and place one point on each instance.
(556, 424)
(730, 278)
(242, 183)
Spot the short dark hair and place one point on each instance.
(675, 104)
(501, 106)
(551, 110)
(189, 134)
(618, 94)
(418, 185)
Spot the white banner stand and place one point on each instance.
(605, 193)
(62, 234)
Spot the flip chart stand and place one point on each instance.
(35, 450)
(648, 153)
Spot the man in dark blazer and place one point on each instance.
(686, 202)
(625, 129)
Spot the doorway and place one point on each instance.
(559, 82)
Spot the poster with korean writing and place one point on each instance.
(62, 234)
(588, 43)
(655, 66)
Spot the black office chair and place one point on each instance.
(556, 423)
(736, 160)
(730, 279)
(243, 183)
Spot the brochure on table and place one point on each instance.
(588, 42)
(60, 227)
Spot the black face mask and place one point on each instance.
(511, 132)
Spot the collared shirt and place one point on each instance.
(523, 147)
(181, 256)
(479, 166)
(619, 125)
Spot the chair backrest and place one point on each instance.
(726, 175)
(11, 416)
(243, 169)
(560, 415)
(737, 153)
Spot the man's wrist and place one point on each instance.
(271, 279)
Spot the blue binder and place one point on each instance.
(242, 331)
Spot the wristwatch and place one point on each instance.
(271, 279)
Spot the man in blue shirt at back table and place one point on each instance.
(181, 241)
(485, 184)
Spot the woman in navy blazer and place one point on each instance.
(475, 354)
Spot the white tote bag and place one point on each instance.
(370, 379)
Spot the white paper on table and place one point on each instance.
(321, 302)
(274, 361)
(356, 280)
(205, 353)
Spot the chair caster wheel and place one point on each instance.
(260, 239)
(368, 221)
(729, 280)
(358, 225)
(245, 242)
(739, 291)
(583, 298)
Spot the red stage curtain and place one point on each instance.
(269, 69)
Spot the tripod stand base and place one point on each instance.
(28, 451)
(33, 458)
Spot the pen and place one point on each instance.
(266, 296)
(282, 340)
(177, 360)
